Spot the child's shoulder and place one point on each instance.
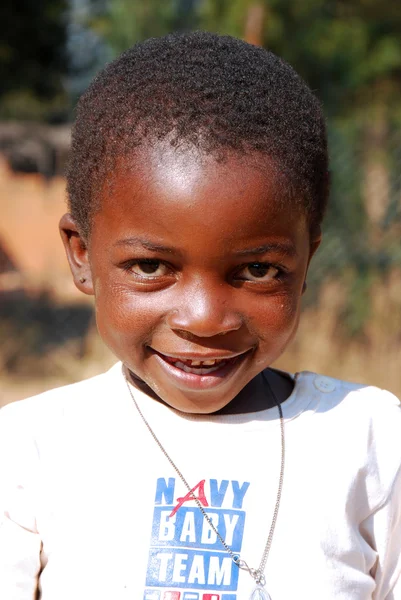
(358, 426)
(83, 396)
(351, 415)
(349, 401)
(336, 390)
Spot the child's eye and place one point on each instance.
(147, 269)
(258, 272)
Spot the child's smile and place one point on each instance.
(198, 272)
(200, 371)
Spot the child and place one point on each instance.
(192, 470)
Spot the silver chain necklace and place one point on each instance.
(260, 592)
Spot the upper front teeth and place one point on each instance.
(198, 363)
(200, 370)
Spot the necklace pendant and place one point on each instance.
(259, 593)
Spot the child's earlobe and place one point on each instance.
(77, 254)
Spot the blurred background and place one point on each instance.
(348, 51)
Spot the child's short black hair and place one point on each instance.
(215, 92)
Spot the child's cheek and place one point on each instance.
(126, 320)
(275, 324)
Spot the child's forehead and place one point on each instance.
(181, 169)
(170, 193)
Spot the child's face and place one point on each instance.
(193, 260)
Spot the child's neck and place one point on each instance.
(254, 397)
(257, 395)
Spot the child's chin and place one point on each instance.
(194, 406)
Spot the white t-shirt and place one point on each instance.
(90, 507)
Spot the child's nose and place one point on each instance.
(205, 311)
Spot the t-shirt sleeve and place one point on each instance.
(386, 529)
(20, 543)
(382, 529)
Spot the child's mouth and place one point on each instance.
(200, 372)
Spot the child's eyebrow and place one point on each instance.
(288, 249)
(149, 245)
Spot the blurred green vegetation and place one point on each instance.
(349, 51)
(33, 58)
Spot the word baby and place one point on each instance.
(185, 552)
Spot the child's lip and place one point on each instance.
(202, 357)
(201, 381)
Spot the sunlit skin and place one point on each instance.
(191, 258)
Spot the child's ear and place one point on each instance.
(77, 254)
